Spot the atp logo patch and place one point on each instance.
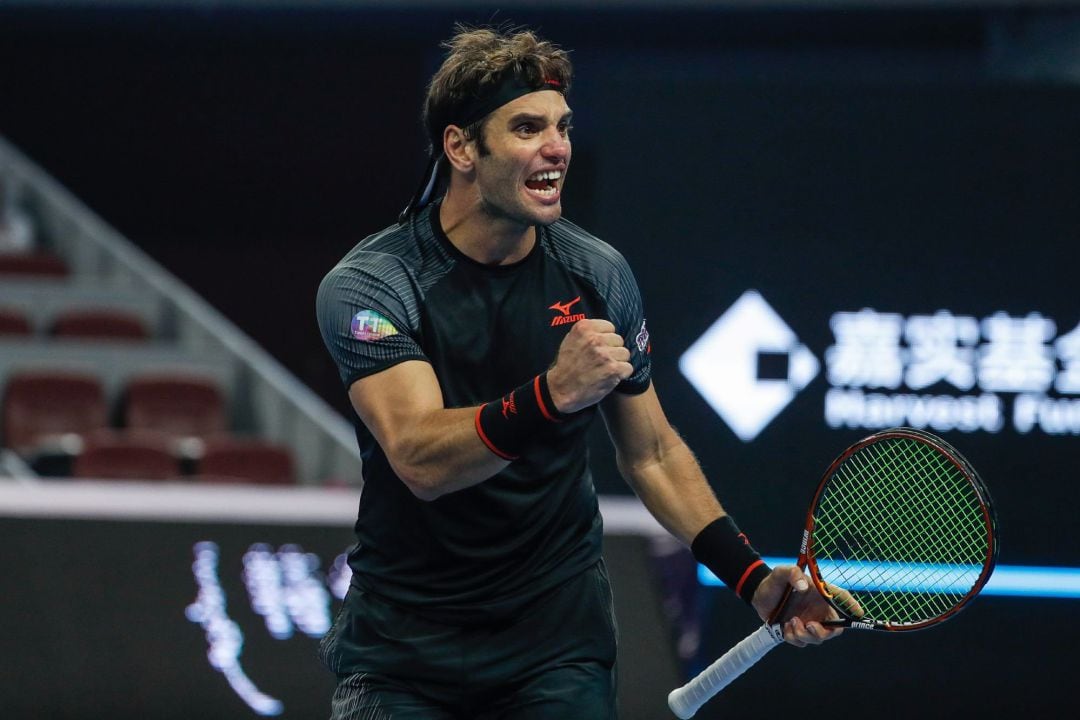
(642, 339)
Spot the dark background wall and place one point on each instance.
(268, 142)
(901, 160)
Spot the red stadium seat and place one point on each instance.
(101, 324)
(126, 456)
(179, 405)
(229, 459)
(37, 264)
(14, 322)
(38, 405)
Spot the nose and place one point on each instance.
(556, 146)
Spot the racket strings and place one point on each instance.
(886, 546)
(901, 528)
(939, 499)
(883, 562)
(904, 525)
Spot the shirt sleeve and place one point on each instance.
(628, 315)
(369, 316)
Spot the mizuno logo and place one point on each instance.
(566, 318)
(564, 308)
(508, 406)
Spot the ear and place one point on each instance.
(459, 151)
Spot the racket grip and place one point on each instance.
(688, 699)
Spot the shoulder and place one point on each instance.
(572, 243)
(403, 258)
(377, 280)
(586, 255)
(388, 252)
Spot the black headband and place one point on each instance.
(469, 110)
(510, 87)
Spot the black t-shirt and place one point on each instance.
(407, 293)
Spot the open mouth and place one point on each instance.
(544, 183)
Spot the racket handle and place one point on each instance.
(688, 699)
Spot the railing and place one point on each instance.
(272, 401)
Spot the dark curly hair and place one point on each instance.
(477, 61)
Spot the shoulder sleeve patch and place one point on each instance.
(368, 326)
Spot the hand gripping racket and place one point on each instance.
(903, 525)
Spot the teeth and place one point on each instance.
(546, 175)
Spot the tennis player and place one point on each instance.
(479, 338)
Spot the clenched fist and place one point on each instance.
(592, 360)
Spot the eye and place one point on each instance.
(565, 128)
(526, 128)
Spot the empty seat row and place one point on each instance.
(148, 456)
(38, 405)
(171, 422)
(95, 323)
(34, 264)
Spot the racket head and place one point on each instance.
(901, 533)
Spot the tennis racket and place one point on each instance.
(901, 535)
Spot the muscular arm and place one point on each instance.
(432, 449)
(658, 465)
(435, 450)
(666, 476)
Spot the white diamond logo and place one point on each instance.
(748, 365)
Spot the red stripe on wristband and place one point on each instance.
(540, 401)
(722, 548)
(486, 440)
(745, 575)
(513, 423)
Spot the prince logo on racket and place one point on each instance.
(478, 587)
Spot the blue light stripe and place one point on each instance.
(1007, 580)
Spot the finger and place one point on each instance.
(801, 634)
(595, 325)
(795, 633)
(817, 633)
(846, 601)
(625, 370)
(614, 340)
(832, 631)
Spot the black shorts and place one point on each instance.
(555, 661)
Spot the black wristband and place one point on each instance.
(722, 548)
(508, 424)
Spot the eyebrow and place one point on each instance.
(523, 116)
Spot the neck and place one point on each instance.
(486, 237)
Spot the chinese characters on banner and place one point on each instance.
(883, 367)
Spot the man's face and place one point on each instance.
(521, 176)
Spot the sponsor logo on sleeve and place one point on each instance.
(368, 326)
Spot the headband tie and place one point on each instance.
(511, 86)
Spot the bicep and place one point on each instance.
(432, 449)
(392, 402)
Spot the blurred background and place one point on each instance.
(844, 215)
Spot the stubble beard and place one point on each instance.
(514, 212)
